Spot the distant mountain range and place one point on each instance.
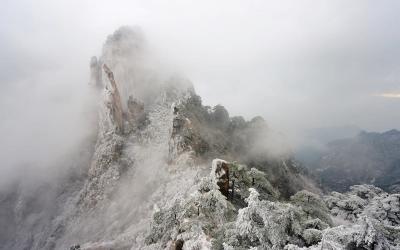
(369, 157)
(325, 135)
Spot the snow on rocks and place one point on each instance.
(369, 218)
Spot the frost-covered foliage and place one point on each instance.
(273, 225)
(358, 236)
(313, 205)
(207, 214)
(267, 224)
(305, 223)
(368, 203)
(367, 218)
(244, 178)
(193, 220)
(365, 200)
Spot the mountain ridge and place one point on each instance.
(146, 181)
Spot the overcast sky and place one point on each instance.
(299, 64)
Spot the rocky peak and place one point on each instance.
(114, 104)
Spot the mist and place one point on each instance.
(299, 64)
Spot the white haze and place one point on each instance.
(299, 64)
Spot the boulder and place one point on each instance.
(221, 170)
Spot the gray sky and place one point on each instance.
(299, 64)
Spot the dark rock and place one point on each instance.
(75, 247)
(178, 244)
(222, 172)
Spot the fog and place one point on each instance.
(299, 64)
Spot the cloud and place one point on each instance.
(299, 64)
(389, 95)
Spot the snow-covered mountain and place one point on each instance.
(163, 171)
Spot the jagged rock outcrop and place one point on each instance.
(114, 103)
(123, 119)
(221, 172)
(109, 145)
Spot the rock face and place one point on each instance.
(221, 171)
(114, 103)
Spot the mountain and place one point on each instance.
(371, 158)
(316, 139)
(163, 171)
(323, 135)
